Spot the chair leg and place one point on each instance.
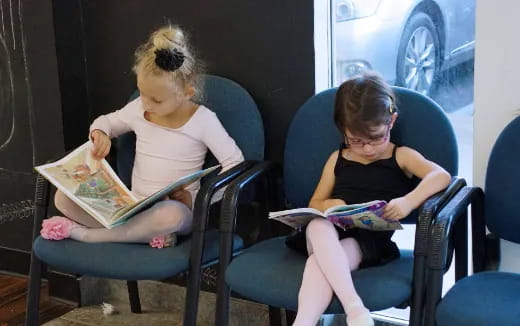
(290, 316)
(222, 306)
(275, 316)
(194, 274)
(133, 295)
(433, 296)
(416, 306)
(461, 247)
(223, 290)
(33, 297)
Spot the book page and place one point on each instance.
(296, 218)
(90, 183)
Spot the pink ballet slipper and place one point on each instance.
(163, 241)
(57, 228)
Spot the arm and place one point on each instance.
(221, 144)
(433, 179)
(111, 125)
(321, 198)
(118, 122)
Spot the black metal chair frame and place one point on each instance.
(200, 220)
(449, 235)
(228, 218)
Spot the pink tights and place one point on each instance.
(327, 271)
(163, 218)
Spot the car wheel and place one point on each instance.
(418, 60)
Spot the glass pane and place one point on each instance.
(427, 46)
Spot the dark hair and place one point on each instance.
(363, 102)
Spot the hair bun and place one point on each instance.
(169, 60)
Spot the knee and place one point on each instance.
(320, 226)
(350, 243)
(169, 214)
(61, 202)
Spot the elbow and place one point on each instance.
(445, 178)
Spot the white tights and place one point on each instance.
(327, 271)
(163, 218)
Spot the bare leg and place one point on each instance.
(165, 217)
(72, 211)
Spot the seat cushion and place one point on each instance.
(124, 260)
(271, 273)
(483, 299)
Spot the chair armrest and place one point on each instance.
(429, 210)
(208, 189)
(443, 229)
(230, 200)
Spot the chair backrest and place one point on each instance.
(313, 136)
(235, 109)
(502, 200)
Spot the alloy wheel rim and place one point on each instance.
(419, 61)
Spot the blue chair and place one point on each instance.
(486, 297)
(270, 273)
(239, 114)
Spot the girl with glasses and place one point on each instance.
(366, 167)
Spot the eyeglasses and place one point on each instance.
(357, 142)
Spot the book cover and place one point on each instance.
(365, 215)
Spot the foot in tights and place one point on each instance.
(58, 228)
(358, 315)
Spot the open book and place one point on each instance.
(95, 187)
(366, 216)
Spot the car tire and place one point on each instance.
(418, 66)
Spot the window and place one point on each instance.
(427, 46)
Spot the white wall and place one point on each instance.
(497, 88)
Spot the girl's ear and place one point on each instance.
(189, 91)
(392, 120)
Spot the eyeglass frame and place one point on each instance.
(362, 143)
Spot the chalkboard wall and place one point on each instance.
(64, 62)
(30, 119)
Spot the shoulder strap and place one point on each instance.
(394, 151)
(342, 146)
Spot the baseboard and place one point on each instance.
(14, 260)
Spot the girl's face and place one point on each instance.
(372, 147)
(160, 95)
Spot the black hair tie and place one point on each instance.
(169, 60)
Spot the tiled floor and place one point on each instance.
(162, 305)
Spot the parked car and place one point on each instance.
(408, 41)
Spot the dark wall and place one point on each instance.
(30, 119)
(266, 46)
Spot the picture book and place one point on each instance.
(365, 215)
(95, 187)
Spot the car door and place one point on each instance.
(459, 18)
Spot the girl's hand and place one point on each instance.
(328, 203)
(184, 196)
(101, 143)
(397, 209)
